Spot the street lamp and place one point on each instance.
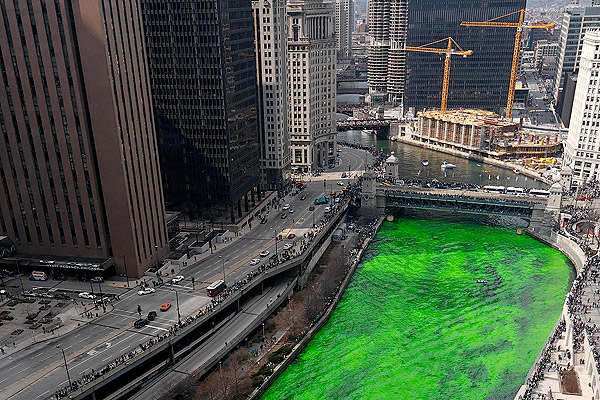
(125, 265)
(223, 265)
(20, 278)
(177, 300)
(275, 235)
(66, 368)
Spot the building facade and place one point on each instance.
(544, 49)
(344, 26)
(479, 81)
(582, 151)
(270, 27)
(203, 80)
(312, 79)
(388, 22)
(575, 23)
(78, 162)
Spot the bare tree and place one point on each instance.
(209, 388)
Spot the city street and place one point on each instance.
(40, 368)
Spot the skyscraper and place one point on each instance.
(582, 148)
(480, 81)
(78, 161)
(203, 80)
(312, 80)
(575, 23)
(344, 25)
(270, 19)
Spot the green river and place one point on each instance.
(415, 324)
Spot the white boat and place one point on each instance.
(425, 162)
(516, 171)
(368, 131)
(481, 281)
(447, 165)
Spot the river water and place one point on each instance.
(415, 324)
(410, 164)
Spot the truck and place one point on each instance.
(321, 200)
(38, 276)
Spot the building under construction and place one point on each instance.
(482, 133)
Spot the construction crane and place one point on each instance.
(494, 23)
(448, 51)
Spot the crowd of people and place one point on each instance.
(299, 248)
(579, 305)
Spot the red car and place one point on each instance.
(291, 236)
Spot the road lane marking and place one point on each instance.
(43, 394)
(84, 361)
(14, 367)
(156, 327)
(20, 372)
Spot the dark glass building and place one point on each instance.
(203, 81)
(478, 81)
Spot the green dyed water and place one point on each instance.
(415, 324)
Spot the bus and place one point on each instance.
(515, 191)
(494, 189)
(539, 193)
(38, 276)
(215, 288)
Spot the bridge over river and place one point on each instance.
(467, 201)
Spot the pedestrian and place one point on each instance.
(2, 350)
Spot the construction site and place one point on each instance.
(481, 133)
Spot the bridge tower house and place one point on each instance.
(369, 190)
(391, 168)
(566, 177)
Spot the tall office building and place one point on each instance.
(270, 30)
(312, 80)
(203, 81)
(78, 162)
(575, 23)
(582, 148)
(479, 81)
(344, 26)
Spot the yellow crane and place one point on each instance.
(494, 23)
(448, 51)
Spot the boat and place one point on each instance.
(479, 165)
(446, 164)
(516, 171)
(425, 162)
(481, 281)
(368, 131)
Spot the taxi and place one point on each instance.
(165, 306)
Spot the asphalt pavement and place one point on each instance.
(38, 370)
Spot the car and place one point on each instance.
(140, 323)
(60, 278)
(303, 197)
(291, 235)
(286, 207)
(62, 297)
(288, 246)
(165, 306)
(291, 211)
(340, 183)
(337, 200)
(254, 261)
(47, 295)
(97, 279)
(344, 174)
(265, 253)
(146, 291)
(283, 216)
(151, 315)
(327, 209)
(311, 208)
(86, 295)
(263, 221)
(177, 279)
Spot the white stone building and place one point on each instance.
(582, 152)
(312, 83)
(270, 32)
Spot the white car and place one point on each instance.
(286, 207)
(254, 261)
(327, 209)
(291, 211)
(86, 295)
(340, 183)
(177, 279)
(265, 253)
(288, 246)
(146, 291)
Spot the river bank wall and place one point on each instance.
(299, 347)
